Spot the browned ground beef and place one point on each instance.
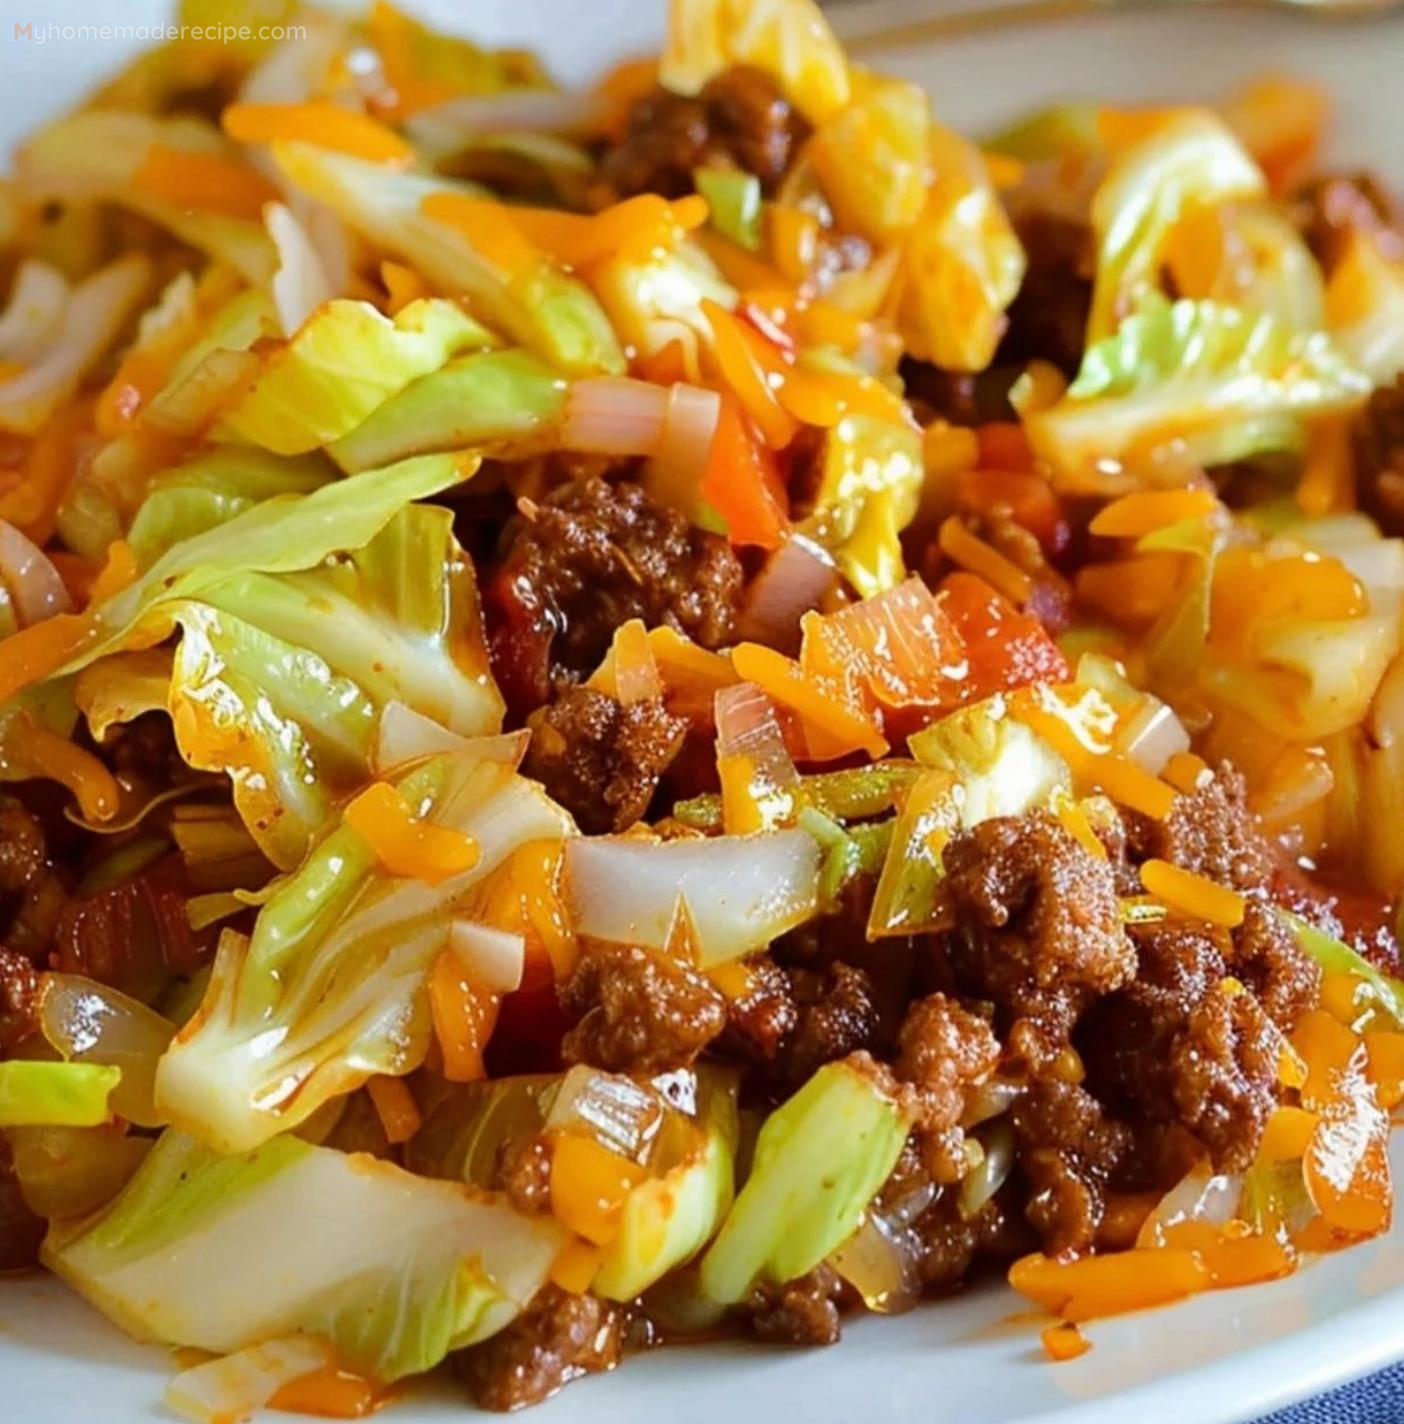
(1068, 1150)
(1048, 319)
(759, 1018)
(31, 892)
(20, 1230)
(1330, 207)
(19, 998)
(599, 759)
(1037, 928)
(524, 1173)
(943, 1052)
(1269, 958)
(589, 557)
(949, 1244)
(739, 120)
(1177, 1046)
(637, 1011)
(1379, 457)
(836, 1014)
(1211, 832)
(558, 1338)
(799, 1312)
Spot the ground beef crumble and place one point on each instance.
(558, 1338)
(589, 557)
(1329, 208)
(637, 1011)
(600, 759)
(1378, 439)
(836, 1014)
(805, 1311)
(1037, 928)
(19, 998)
(21, 1232)
(739, 120)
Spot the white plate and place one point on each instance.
(1218, 1360)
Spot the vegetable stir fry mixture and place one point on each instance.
(690, 708)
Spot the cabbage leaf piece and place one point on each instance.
(820, 1159)
(1227, 383)
(219, 1253)
(341, 364)
(545, 309)
(962, 264)
(1192, 160)
(330, 988)
(212, 488)
(789, 39)
(1384, 991)
(869, 488)
(502, 401)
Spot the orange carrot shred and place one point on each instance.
(974, 554)
(406, 844)
(395, 1107)
(209, 182)
(464, 1018)
(318, 122)
(1064, 1342)
(1193, 894)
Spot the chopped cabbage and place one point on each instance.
(789, 39)
(1384, 991)
(962, 265)
(330, 988)
(869, 489)
(1222, 381)
(819, 1160)
(344, 363)
(549, 312)
(1191, 160)
(733, 203)
(504, 401)
(219, 1253)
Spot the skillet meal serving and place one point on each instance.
(685, 709)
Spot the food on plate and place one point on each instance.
(685, 709)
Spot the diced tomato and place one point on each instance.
(742, 482)
(1004, 647)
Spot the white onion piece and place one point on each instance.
(96, 313)
(739, 892)
(232, 1388)
(795, 579)
(1152, 735)
(294, 70)
(880, 1262)
(405, 735)
(985, 1179)
(990, 1099)
(34, 313)
(529, 110)
(300, 285)
(493, 959)
(614, 415)
(689, 424)
(748, 727)
(89, 1022)
(1198, 1196)
(34, 585)
(615, 1111)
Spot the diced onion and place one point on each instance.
(794, 580)
(748, 728)
(1152, 735)
(89, 1022)
(990, 1099)
(880, 1262)
(1199, 1196)
(189, 404)
(34, 313)
(95, 314)
(405, 735)
(301, 284)
(992, 1171)
(614, 415)
(33, 583)
(233, 1387)
(739, 892)
(689, 423)
(494, 959)
(529, 110)
(618, 1113)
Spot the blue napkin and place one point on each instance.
(1376, 1400)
